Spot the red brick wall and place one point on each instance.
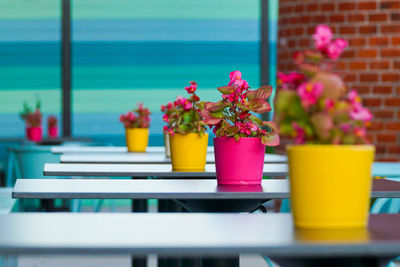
(371, 63)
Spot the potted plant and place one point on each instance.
(241, 136)
(33, 122)
(186, 131)
(52, 129)
(330, 163)
(137, 125)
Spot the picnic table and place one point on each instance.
(199, 234)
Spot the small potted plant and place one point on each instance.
(187, 137)
(137, 125)
(241, 136)
(52, 128)
(330, 163)
(33, 122)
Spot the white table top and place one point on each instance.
(106, 149)
(191, 234)
(147, 158)
(166, 189)
(142, 170)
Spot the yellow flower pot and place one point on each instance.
(137, 139)
(188, 152)
(330, 185)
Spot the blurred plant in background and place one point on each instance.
(313, 105)
(140, 120)
(32, 118)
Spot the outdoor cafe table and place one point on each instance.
(165, 171)
(106, 149)
(144, 158)
(168, 189)
(199, 234)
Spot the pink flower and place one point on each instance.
(361, 113)
(192, 88)
(360, 132)
(291, 79)
(163, 108)
(235, 75)
(345, 127)
(299, 134)
(335, 48)
(329, 104)
(309, 93)
(322, 37)
(187, 105)
(180, 101)
(354, 98)
(165, 118)
(170, 105)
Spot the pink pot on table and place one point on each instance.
(239, 163)
(34, 134)
(52, 131)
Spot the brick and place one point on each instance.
(304, 42)
(358, 65)
(393, 126)
(298, 8)
(298, 31)
(392, 102)
(348, 54)
(382, 90)
(292, 43)
(356, 17)
(388, 159)
(367, 53)
(312, 7)
(351, 77)
(395, 16)
(390, 53)
(390, 28)
(396, 65)
(328, 7)
(380, 149)
(378, 40)
(363, 89)
(394, 149)
(395, 40)
(347, 30)
(356, 41)
(305, 19)
(294, 20)
(346, 6)
(379, 65)
(386, 138)
(336, 18)
(377, 17)
(384, 114)
(372, 102)
(319, 19)
(367, 29)
(369, 77)
(390, 5)
(367, 5)
(390, 77)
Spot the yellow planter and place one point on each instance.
(188, 152)
(330, 185)
(137, 139)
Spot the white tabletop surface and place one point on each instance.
(107, 149)
(142, 170)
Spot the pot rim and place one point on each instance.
(320, 147)
(231, 137)
(187, 134)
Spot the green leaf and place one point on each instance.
(271, 125)
(256, 120)
(261, 93)
(322, 124)
(272, 139)
(226, 90)
(188, 116)
(259, 106)
(183, 127)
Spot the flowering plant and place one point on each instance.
(183, 115)
(52, 121)
(140, 120)
(32, 118)
(313, 105)
(233, 115)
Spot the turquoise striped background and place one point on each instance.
(124, 51)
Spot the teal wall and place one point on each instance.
(124, 51)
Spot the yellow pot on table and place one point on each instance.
(137, 139)
(188, 152)
(330, 185)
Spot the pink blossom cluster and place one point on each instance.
(34, 119)
(292, 79)
(52, 121)
(323, 42)
(358, 112)
(238, 94)
(140, 120)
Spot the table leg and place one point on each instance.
(214, 262)
(139, 206)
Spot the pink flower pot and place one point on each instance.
(52, 131)
(239, 163)
(34, 134)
